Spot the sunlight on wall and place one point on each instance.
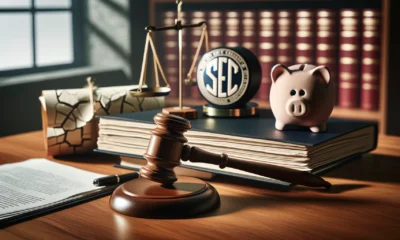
(108, 34)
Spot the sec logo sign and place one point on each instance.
(228, 77)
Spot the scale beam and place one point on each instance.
(178, 26)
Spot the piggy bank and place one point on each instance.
(302, 95)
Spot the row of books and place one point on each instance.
(347, 41)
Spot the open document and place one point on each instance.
(36, 185)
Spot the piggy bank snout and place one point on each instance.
(296, 107)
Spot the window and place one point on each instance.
(40, 35)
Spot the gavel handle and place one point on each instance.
(194, 154)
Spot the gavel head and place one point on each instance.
(165, 148)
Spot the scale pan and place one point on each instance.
(150, 92)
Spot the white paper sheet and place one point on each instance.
(37, 182)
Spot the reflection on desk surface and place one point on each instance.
(364, 203)
(369, 167)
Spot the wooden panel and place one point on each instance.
(384, 66)
(388, 145)
(365, 194)
(360, 114)
(392, 113)
(138, 20)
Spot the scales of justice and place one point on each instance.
(144, 91)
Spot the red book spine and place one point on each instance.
(349, 55)
(186, 90)
(370, 68)
(326, 41)
(195, 34)
(249, 32)
(305, 36)
(232, 33)
(285, 38)
(266, 51)
(215, 29)
(170, 54)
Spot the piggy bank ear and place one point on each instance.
(323, 72)
(278, 70)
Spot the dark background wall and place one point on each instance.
(140, 18)
(393, 89)
(108, 36)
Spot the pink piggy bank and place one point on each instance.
(301, 95)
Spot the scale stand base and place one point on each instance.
(185, 112)
(248, 110)
(143, 198)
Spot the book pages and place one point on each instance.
(130, 137)
(69, 126)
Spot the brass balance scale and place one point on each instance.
(144, 91)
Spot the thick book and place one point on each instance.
(285, 38)
(170, 58)
(252, 139)
(305, 32)
(232, 28)
(215, 30)
(266, 51)
(326, 41)
(349, 58)
(186, 55)
(249, 30)
(370, 66)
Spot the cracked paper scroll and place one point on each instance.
(69, 125)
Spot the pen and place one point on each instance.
(115, 179)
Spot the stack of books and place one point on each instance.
(252, 139)
(345, 40)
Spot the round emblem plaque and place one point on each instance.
(228, 77)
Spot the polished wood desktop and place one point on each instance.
(364, 203)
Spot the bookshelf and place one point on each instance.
(380, 116)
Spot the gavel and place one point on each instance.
(158, 193)
(167, 147)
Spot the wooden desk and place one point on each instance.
(364, 204)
